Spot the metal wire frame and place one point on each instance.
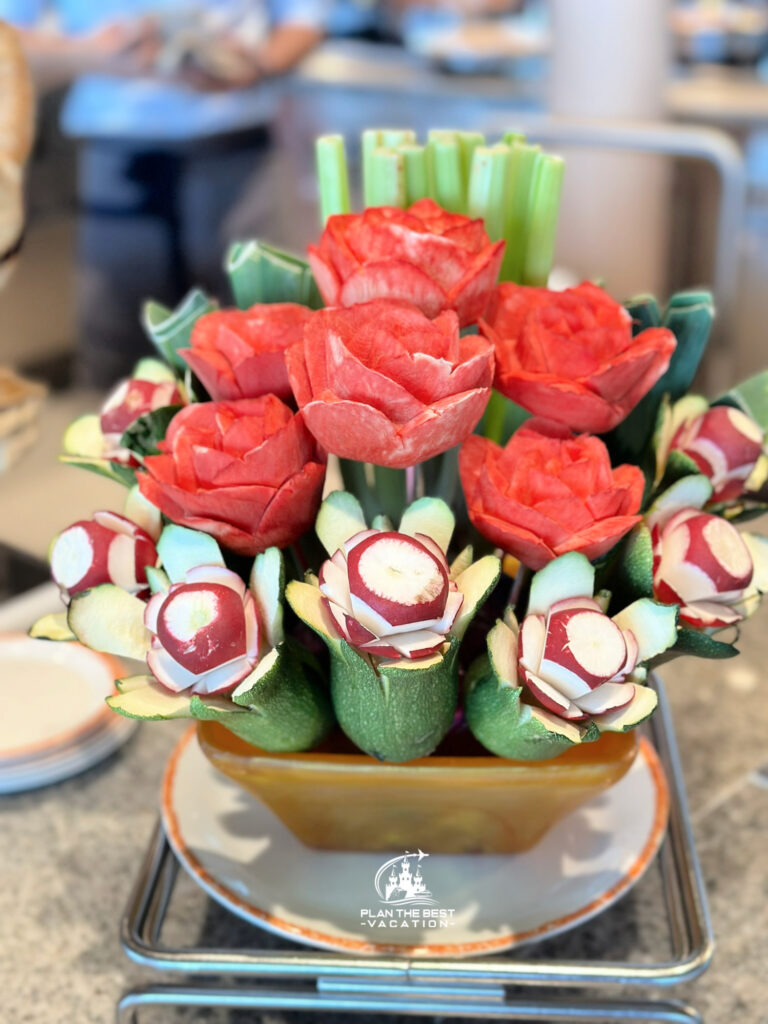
(323, 981)
(709, 145)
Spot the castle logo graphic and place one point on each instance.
(404, 899)
(398, 883)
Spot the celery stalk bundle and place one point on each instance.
(512, 185)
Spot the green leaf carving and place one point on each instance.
(143, 435)
(261, 273)
(701, 645)
(510, 728)
(634, 569)
(689, 316)
(170, 329)
(281, 707)
(400, 710)
(751, 396)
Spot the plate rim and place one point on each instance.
(311, 937)
(95, 749)
(67, 737)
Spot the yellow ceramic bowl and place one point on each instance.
(459, 800)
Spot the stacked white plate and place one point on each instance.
(54, 721)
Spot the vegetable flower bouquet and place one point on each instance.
(403, 498)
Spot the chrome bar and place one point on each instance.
(548, 1010)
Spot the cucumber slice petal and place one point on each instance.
(52, 627)
(653, 625)
(570, 575)
(432, 517)
(268, 585)
(340, 517)
(181, 549)
(475, 583)
(111, 620)
(142, 697)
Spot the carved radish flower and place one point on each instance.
(392, 612)
(214, 645)
(205, 632)
(93, 440)
(131, 399)
(701, 562)
(109, 548)
(391, 594)
(570, 671)
(576, 661)
(723, 443)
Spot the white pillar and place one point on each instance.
(609, 59)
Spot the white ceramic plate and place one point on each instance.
(69, 761)
(18, 613)
(51, 694)
(246, 859)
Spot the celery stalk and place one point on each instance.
(387, 184)
(487, 193)
(521, 165)
(393, 138)
(542, 224)
(449, 180)
(495, 414)
(417, 173)
(332, 176)
(371, 140)
(513, 138)
(468, 143)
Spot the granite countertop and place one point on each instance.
(70, 853)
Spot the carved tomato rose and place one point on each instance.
(240, 353)
(249, 473)
(383, 383)
(435, 259)
(570, 356)
(548, 492)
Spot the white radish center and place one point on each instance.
(596, 643)
(189, 612)
(72, 556)
(727, 547)
(398, 571)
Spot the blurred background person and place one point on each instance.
(171, 107)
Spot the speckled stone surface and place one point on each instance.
(69, 855)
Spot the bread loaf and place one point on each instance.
(20, 400)
(16, 131)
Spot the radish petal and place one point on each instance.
(606, 698)
(533, 635)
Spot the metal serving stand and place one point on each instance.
(520, 985)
